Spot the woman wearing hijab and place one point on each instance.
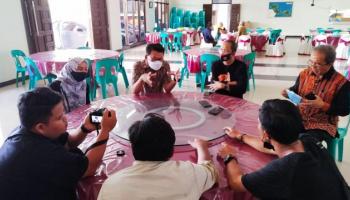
(70, 83)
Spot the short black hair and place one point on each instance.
(233, 45)
(328, 51)
(36, 106)
(282, 120)
(152, 139)
(154, 47)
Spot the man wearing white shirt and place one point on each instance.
(153, 175)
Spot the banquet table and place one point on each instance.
(331, 40)
(193, 56)
(189, 120)
(53, 61)
(259, 41)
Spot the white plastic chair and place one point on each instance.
(305, 46)
(277, 49)
(343, 47)
(244, 43)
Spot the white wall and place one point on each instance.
(303, 17)
(12, 37)
(115, 37)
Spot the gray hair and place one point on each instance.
(328, 51)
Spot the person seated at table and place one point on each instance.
(71, 84)
(302, 165)
(40, 160)
(153, 75)
(229, 75)
(324, 92)
(242, 29)
(221, 30)
(153, 175)
(207, 36)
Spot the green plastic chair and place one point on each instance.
(184, 70)
(194, 20)
(104, 75)
(249, 59)
(122, 70)
(16, 55)
(201, 17)
(164, 41)
(209, 59)
(177, 41)
(338, 142)
(35, 75)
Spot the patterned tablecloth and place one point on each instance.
(245, 120)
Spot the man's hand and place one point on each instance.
(225, 150)
(198, 143)
(317, 103)
(284, 93)
(217, 86)
(109, 119)
(177, 75)
(148, 78)
(232, 133)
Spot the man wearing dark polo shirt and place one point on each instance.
(324, 92)
(40, 160)
(229, 76)
(303, 170)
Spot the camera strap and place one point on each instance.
(96, 144)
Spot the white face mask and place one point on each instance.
(155, 65)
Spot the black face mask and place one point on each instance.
(226, 57)
(79, 76)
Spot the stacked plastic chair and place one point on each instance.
(187, 19)
(177, 41)
(244, 42)
(194, 20)
(173, 15)
(343, 47)
(180, 17)
(305, 46)
(201, 19)
(276, 44)
(17, 55)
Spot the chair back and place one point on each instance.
(16, 55)
(107, 69)
(32, 68)
(209, 59)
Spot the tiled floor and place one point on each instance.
(272, 75)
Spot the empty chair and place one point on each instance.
(106, 72)
(305, 46)
(184, 70)
(343, 47)
(320, 40)
(122, 70)
(244, 43)
(207, 60)
(17, 55)
(338, 143)
(164, 41)
(194, 20)
(177, 41)
(34, 73)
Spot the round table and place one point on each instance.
(193, 57)
(242, 114)
(259, 41)
(331, 40)
(53, 61)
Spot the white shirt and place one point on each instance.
(180, 180)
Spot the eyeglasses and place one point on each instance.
(312, 63)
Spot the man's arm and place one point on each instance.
(169, 84)
(340, 105)
(239, 86)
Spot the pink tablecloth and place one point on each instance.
(259, 41)
(53, 61)
(246, 116)
(193, 57)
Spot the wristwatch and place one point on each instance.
(229, 158)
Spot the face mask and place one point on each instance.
(155, 65)
(79, 76)
(226, 57)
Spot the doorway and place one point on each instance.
(161, 14)
(133, 22)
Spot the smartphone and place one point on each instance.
(216, 110)
(204, 103)
(293, 97)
